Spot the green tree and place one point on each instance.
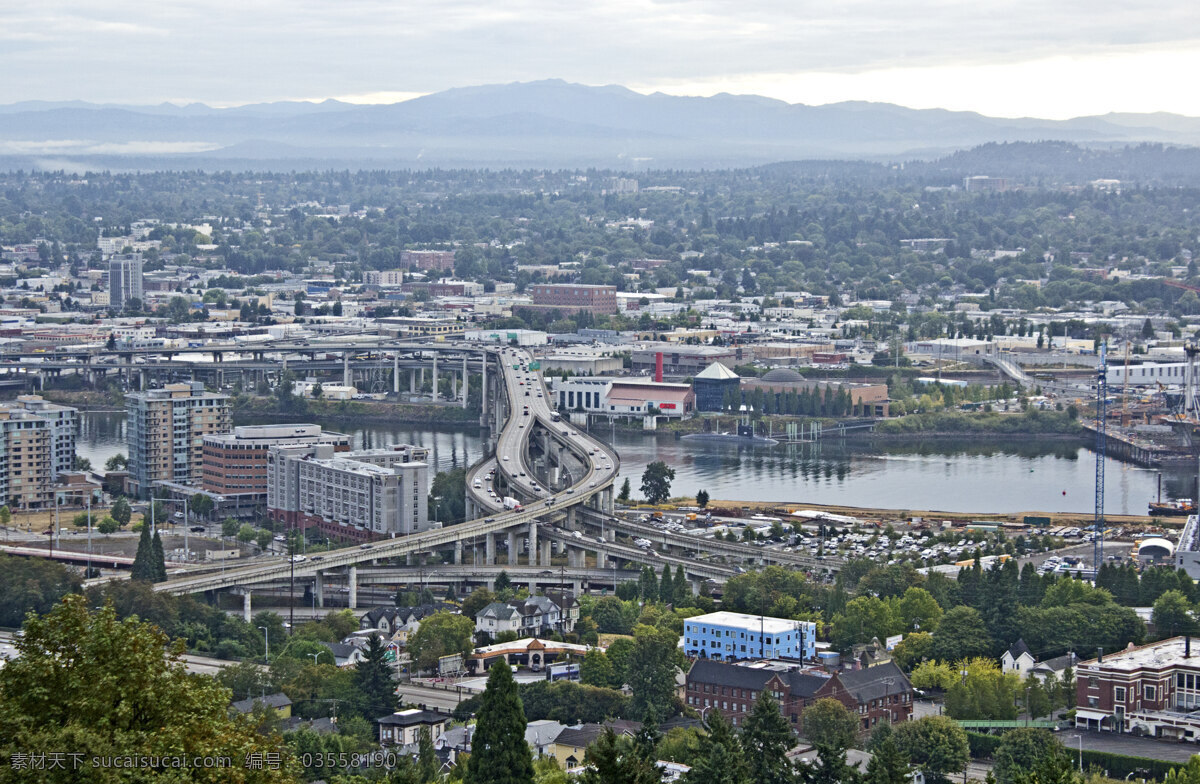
(499, 753)
(597, 670)
(117, 462)
(263, 539)
(373, 676)
(656, 482)
(246, 534)
(428, 765)
(104, 687)
(32, 585)
(650, 672)
(201, 505)
(479, 598)
(725, 762)
(935, 744)
(888, 764)
(1173, 614)
(159, 561)
(107, 525)
(865, 617)
(961, 634)
(122, 512)
(918, 610)
(1025, 749)
(143, 567)
(702, 499)
(229, 527)
(766, 740)
(441, 634)
(6, 515)
(828, 722)
(666, 588)
(626, 492)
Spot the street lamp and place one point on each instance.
(1080, 739)
(315, 655)
(266, 644)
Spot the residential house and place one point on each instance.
(497, 618)
(571, 744)
(403, 728)
(1018, 659)
(278, 702)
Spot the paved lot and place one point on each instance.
(1128, 744)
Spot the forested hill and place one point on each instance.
(1024, 164)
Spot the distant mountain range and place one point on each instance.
(547, 124)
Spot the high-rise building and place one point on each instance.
(25, 459)
(124, 280)
(235, 464)
(165, 429)
(355, 496)
(63, 422)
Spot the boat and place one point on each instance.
(1181, 507)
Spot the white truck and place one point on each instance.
(512, 503)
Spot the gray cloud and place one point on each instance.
(221, 51)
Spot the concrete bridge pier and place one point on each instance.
(435, 378)
(458, 552)
(490, 550)
(544, 557)
(513, 548)
(533, 545)
(412, 382)
(396, 375)
(246, 606)
(453, 385)
(353, 581)
(465, 384)
(346, 368)
(319, 588)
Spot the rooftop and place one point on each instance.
(744, 621)
(1156, 655)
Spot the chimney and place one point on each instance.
(1187, 645)
(1099, 656)
(658, 363)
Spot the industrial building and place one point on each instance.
(165, 431)
(574, 297)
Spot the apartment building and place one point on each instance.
(354, 496)
(574, 297)
(383, 277)
(25, 459)
(165, 431)
(64, 430)
(428, 260)
(729, 636)
(874, 694)
(125, 280)
(1148, 690)
(235, 464)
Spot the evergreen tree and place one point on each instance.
(683, 589)
(499, 753)
(373, 677)
(725, 763)
(766, 738)
(159, 560)
(428, 765)
(666, 588)
(889, 765)
(143, 561)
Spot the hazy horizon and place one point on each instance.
(1001, 58)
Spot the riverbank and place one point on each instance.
(355, 411)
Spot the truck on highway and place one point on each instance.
(512, 503)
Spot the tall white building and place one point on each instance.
(63, 422)
(124, 280)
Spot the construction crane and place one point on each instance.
(1101, 452)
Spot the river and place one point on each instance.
(968, 475)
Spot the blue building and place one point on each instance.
(729, 636)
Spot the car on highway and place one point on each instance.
(364, 547)
(197, 529)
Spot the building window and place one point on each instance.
(1149, 692)
(1119, 694)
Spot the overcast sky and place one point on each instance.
(1045, 58)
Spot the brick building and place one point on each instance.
(874, 694)
(428, 260)
(1150, 690)
(236, 463)
(574, 297)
